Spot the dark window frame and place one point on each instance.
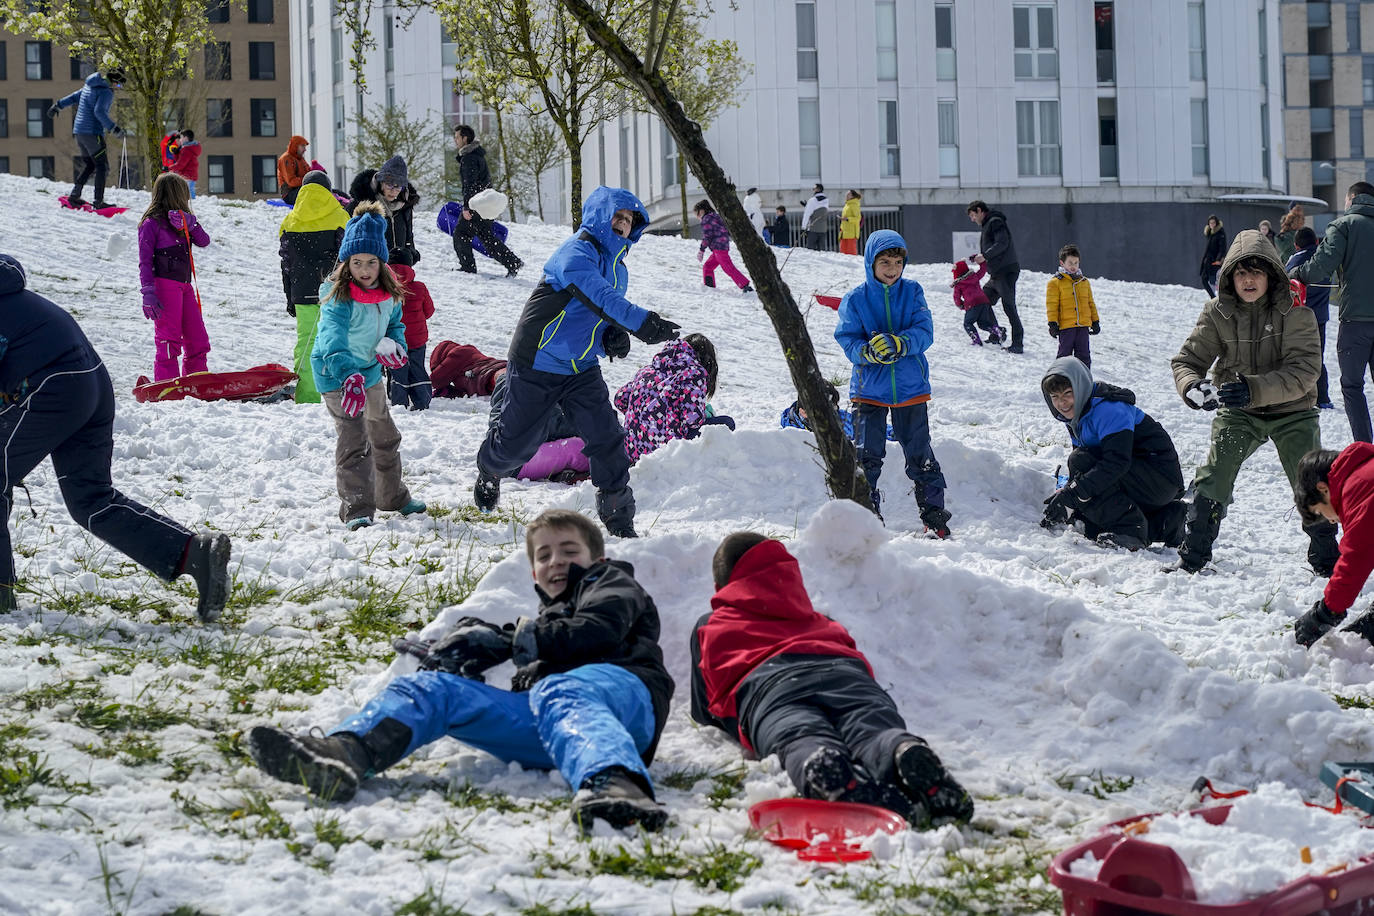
(44, 62)
(264, 168)
(223, 124)
(256, 10)
(45, 123)
(256, 116)
(227, 162)
(255, 62)
(218, 63)
(217, 11)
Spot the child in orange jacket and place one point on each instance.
(1069, 307)
(410, 385)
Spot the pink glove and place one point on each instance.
(700, 252)
(177, 219)
(354, 395)
(391, 354)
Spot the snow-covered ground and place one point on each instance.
(1065, 685)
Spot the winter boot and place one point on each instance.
(618, 797)
(828, 774)
(1322, 549)
(875, 496)
(709, 281)
(1166, 524)
(486, 492)
(924, 779)
(8, 601)
(998, 336)
(936, 519)
(617, 511)
(1119, 540)
(413, 507)
(975, 337)
(330, 767)
(207, 561)
(1203, 525)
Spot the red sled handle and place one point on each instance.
(1144, 869)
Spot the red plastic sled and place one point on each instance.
(87, 208)
(830, 302)
(794, 823)
(258, 382)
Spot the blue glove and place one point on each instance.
(1234, 394)
(720, 419)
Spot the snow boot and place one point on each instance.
(1166, 524)
(925, 779)
(998, 336)
(330, 767)
(8, 601)
(975, 337)
(709, 281)
(617, 511)
(1203, 525)
(618, 797)
(207, 561)
(747, 288)
(1119, 540)
(875, 496)
(1322, 549)
(413, 507)
(486, 492)
(936, 519)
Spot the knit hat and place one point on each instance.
(315, 176)
(365, 232)
(960, 268)
(393, 171)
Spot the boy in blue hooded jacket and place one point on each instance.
(577, 313)
(885, 329)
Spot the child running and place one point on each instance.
(165, 267)
(360, 331)
(977, 308)
(716, 237)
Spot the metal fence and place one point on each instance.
(873, 220)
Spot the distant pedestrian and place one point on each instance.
(1285, 241)
(92, 121)
(472, 169)
(292, 167)
(753, 208)
(188, 159)
(716, 238)
(850, 223)
(1215, 234)
(815, 219)
(1319, 301)
(996, 249)
(781, 229)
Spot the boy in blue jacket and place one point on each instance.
(885, 329)
(1125, 481)
(577, 313)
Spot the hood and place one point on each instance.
(296, 145)
(12, 277)
(316, 209)
(1253, 243)
(879, 242)
(402, 272)
(600, 207)
(677, 358)
(1208, 230)
(187, 144)
(1363, 204)
(822, 199)
(766, 583)
(1072, 368)
(1351, 459)
(96, 81)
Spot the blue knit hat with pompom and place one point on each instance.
(365, 233)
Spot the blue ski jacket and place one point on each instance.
(347, 338)
(92, 103)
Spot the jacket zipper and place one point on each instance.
(887, 307)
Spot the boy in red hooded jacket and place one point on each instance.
(781, 678)
(1339, 487)
(410, 386)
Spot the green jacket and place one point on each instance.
(1347, 255)
(1271, 343)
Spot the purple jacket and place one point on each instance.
(665, 400)
(163, 252)
(714, 235)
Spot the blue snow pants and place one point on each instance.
(409, 386)
(912, 426)
(580, 722)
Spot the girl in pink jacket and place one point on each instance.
(165, 266)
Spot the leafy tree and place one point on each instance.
(386, 131)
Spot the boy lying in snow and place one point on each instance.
(589, 697)
(780, 678)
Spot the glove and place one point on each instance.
(868, 356)
(1054, 329)
(1234, 394)
(887, 347)
(524, 645)
(700, 252)
(354, 395)
(291, 309)
(391, 354)
(656, 330)
(152, 308)
(1059, 506)
(720, 419)
(1201, 395)
(53, 110)
(526, 676)
(1364, 626)
(117, 131)
(470, 648)
(177, 218)
(1096, 328)
(615, 340)
(1313, 625)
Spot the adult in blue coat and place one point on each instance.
(92, 120)
(576, 314)
(1319, 301)
(885, 328)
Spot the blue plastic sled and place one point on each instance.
(451, 212)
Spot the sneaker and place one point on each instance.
(709, 281)
(486, 492)
(362, 521)
(1326, 405)
(101, 205)
(924, 779)
(207, 561)
(413, 507)
(936, 521)
(621, 529)
(747, 288)
(616, 796)
(329, 767)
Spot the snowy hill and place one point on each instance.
(1065, 685)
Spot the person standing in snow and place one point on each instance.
(1069, 307)
(777, 677)
(310, 237)
(781, 229)
(1263, 355)
(1338, 487)
(360, 331)
(1212, 257)
(1318, 299)
(577, 313)
(885, 329)
(409, 384)
(668, 399)
(56, 400)
(753, 208)
(850, 222)
(815, 219)
(589, 697)
(716, 237)
(165, 269)
(390, 187)
(472, 169)
(292, 167)
(188, 159)
(92, 121)
(969, 296)
(998, 252)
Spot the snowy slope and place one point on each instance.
(1065, 685)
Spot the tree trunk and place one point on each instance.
(575, 192)
(842, 474)
(682, 192)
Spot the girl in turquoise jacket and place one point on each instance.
(360, 331)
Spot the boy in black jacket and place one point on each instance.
(597, 696)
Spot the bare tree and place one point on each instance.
(387, 131)
(537, 146)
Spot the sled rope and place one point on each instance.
(191, 254)
(123, 160)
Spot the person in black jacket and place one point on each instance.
(998, 251)
(597, 699)
(472, 170)
(782, 229)
(390, 185)
(56, 401)
(1214, 255)
(310, 238)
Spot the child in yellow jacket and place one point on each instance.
(1069, 307)
(850, 220)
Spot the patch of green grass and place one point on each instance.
(1097, 784)
(1015, 886)
(430, 902)
(381, 612)
(725, 784)
(1355, 702)
(720, 867)
(543, 909)
(469, 796)
(20, 772)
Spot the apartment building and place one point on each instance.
(237, 102)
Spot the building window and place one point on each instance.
(43, 167)
(889, 140)
(887, 39)
(1264, 141)
(1106, 139)
(264, 117)
(262, 60)
(261, 10)
(310, 63)
(1197, 41)
(264, 174)
(1033, 37)
(36, 114)
(949, 138)
(175, 118)
(5, 164)
(389, 42)
(806, 40)
(1199, 118)
(219, 172)
(219, 117)
(1368, 80)
(944, 41)
(1357, 134)
(669, 157)
(82, 67)
(4, 117)
(1105, 31)
(217, 61)
(4, 67)
(1352, 27)
(338, 122)
(1037, 138)
(336, 49)
(38, 60)
(217, 11)
(809, 124)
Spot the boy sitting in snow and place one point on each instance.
(780, 678)
(1338, 487)
(1124, 477)
(590, 693)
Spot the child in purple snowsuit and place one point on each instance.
(716, 237)
(969, 296)
(666, 400)
(165, 265)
